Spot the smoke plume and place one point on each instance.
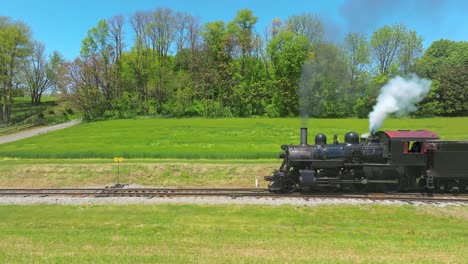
(305, 91)
(398, 96)
(368, 15)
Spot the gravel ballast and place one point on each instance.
(60, 200)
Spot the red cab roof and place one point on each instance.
(416, 134)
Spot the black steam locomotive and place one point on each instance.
(387, 161)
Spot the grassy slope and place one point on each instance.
(232, 234)
(78, 173)
(202, 138)
(22, 105)
(52, 111)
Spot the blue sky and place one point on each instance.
(61, 24)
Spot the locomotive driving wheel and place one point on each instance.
(288, 185)
(388, 188)
(385, 187)
(353, 188)
(389, 175)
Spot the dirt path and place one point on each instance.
(37, 131)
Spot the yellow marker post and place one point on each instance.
(118, 160)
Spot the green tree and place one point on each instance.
(97, 49)
(93, 75)
(395, 49)
(287, 53)
(308, 25)
(410, 50)
(57, 69)
(242, 27)
(250, 91)
(83, 89)
(216, 76)
(385, 43)
(368, 98)
(161, 31)
(445, 63)
(137, 64)
(115, 25)
(453, 89)
(15, 39)
(40, 73)
(358, 59)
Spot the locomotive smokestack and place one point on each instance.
(303, 135)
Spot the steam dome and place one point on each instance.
(320, 139)
(351, 138)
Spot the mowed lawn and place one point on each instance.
(233, 234)
(235, 138)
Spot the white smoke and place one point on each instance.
(398, 96)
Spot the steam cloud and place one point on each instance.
(398, 96)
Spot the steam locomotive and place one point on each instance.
(386, 161)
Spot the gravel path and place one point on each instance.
(37, 131)
(207, 200)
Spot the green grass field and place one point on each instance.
(232, 234)
(202, 138)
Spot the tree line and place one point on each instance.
(179, 67)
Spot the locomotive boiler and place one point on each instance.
(386, 161)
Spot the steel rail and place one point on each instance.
(175, 189)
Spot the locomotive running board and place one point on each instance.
(369, 181)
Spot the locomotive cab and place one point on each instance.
(405, 153)
(405, 147)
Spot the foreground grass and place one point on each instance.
(163, 173)
(232, 138)
(232, 234)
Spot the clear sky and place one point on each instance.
(62, 24)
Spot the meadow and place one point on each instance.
(234, 138)
(232, 234)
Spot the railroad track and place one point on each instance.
(132, 192)
(226, 192)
